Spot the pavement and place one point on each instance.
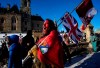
(85, 61)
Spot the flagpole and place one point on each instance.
(70, 12)
(80, 4)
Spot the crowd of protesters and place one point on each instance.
(51, 49)
(17, 48)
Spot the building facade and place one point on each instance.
(14, 20)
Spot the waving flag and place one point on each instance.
(71, 26)
(86, 12)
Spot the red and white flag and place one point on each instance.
(86, 12)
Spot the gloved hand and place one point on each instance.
(33, 51)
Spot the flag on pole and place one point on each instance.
(86, 11)
(71, 26)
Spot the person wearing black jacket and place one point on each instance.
(27, 44)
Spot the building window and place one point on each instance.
(25, 23)
(37, 25)
(1, 24)
(25, 29)
(25, 3)
(13, 23)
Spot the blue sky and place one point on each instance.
(55, 9)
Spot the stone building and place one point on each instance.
(14, 20)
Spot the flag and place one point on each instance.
(86, 11)
(54, 54)
(71, 26)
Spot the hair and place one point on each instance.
(52, 25)
(29, 32)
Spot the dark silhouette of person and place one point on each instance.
(4, 50)
(27, 44)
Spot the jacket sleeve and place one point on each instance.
(10, 61)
